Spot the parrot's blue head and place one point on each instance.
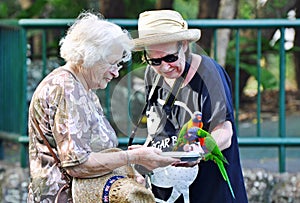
(197, 116)
(190, 136)
(193, 132)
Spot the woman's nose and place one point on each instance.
(115, 72)
(164, 66)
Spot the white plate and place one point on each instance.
(184, 156)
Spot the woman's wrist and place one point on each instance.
(127, 158)
(130, 157)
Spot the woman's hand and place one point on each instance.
(189, 148)
(149, 157)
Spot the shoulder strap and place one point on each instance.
(175, 88)
(170, 99)
(67, 177)
(46, 142)
(132, 135)
(64, 69)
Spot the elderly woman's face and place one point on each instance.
(167, 59)
(102, 73)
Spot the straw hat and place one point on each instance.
(122, 188)
(163, 26)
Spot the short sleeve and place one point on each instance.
(78, 125)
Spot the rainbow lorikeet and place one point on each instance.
(195, 121)
(212, 151)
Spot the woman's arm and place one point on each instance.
(222, 134)
(102, 163)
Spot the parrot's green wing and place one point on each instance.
(190, 124)
(212, 146)
(202, 133)
(181, 140)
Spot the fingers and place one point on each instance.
(140, 179)
(134, 147)
(149, 157)
(180, 164)
(185, 163)
(193, 147)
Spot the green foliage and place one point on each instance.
(8, 8)
(3, 10)
(248, 60)
(36, 9)
(267, 78)
(71, 8)
(136, 63)
(187, 8)
(134, 7)
(67, 8)
(43, 9)
(246, 10)
(279, 3)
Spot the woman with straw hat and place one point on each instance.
(165, 40)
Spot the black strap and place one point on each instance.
(133, 132)
(70, 73)
(66, 176)
(175, 88)
(170, 99)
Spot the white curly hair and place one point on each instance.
(88, 40)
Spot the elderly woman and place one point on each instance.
(68, 113)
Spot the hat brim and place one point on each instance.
(189, 35)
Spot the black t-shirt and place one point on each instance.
(209, 92)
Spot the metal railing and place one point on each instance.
(13, 85)
(13, 73)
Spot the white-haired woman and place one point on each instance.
(68, 113)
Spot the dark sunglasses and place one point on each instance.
(170, 58)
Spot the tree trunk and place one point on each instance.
(297, 45)
(25, 4)
(208, 9)
(227, 10)
(164, 4)
(112, 9)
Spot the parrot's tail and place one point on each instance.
(224, 160)
(224, 174)
(230, 188)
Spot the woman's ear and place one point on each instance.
(185, 45)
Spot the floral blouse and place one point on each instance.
(73, 122)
